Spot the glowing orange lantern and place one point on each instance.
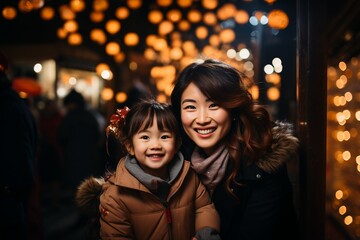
(28, 85)
(278, 19)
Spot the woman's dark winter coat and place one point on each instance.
(264, 208)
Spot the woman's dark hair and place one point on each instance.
(250, 135)
(141, 116)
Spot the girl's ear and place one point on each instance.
(130, 149)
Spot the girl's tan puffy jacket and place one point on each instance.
(130, 211)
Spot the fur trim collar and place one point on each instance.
(283, 149)
(88, 195)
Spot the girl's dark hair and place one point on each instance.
(141, 116)
(250, 135)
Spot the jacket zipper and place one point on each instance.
(168, 219)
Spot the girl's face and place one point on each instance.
(153, 149)
(205, 122)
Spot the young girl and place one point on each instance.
(238, 152)
(154, 194)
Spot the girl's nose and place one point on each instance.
(155, 144)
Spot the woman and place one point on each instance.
(238, 152)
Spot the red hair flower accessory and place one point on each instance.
(115, 119)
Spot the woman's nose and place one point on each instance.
(203, 117)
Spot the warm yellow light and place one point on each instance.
(241, 17)
(75, 39)
(176, 53)
(228, 10)
(25, 6)
(107, 94)
(209, 4)
(9, 13)
(184, 3)
(71, 26)
(134, 4)
(161, 85)
(164, 3)
(101, 67)
(214, 40)
(150, 54)
(346, 155)
(342, 66)
(348, 220)
(210, 19)
(155, 16)
(112, 26)
(112, 48)
(161, 98)
(188, 47)
(227, 35)
(133, 66)
(160, 44)
(122, 13)
(37, 4)
(121, 97)
(174, 15)
(150, 39)
(165, 27)
(61, 33)
(131, 39)
(254, 91)
(194, 16)
(66, 13)
(201, 32)
(77, 5)
(184, 25)
(342, 210)
(47, 13)
(96, 16)
(120, 57)
(98, 35)
(273, 93)
(273, 78)
(278, 19)
(339, 194)
(100, 5)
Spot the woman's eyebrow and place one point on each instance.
(188, 100)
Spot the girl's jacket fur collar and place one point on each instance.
(284, 148)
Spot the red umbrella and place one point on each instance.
(27, 85)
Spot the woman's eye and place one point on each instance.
(189, 107)
(214, 105)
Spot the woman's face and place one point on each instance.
(205, 122)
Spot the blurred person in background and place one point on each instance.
(50, 153)
(18, 143)
(80, 139)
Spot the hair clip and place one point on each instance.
(119, 115)
(114, 128)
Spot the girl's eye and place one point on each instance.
(144, 137)
(166, 136)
